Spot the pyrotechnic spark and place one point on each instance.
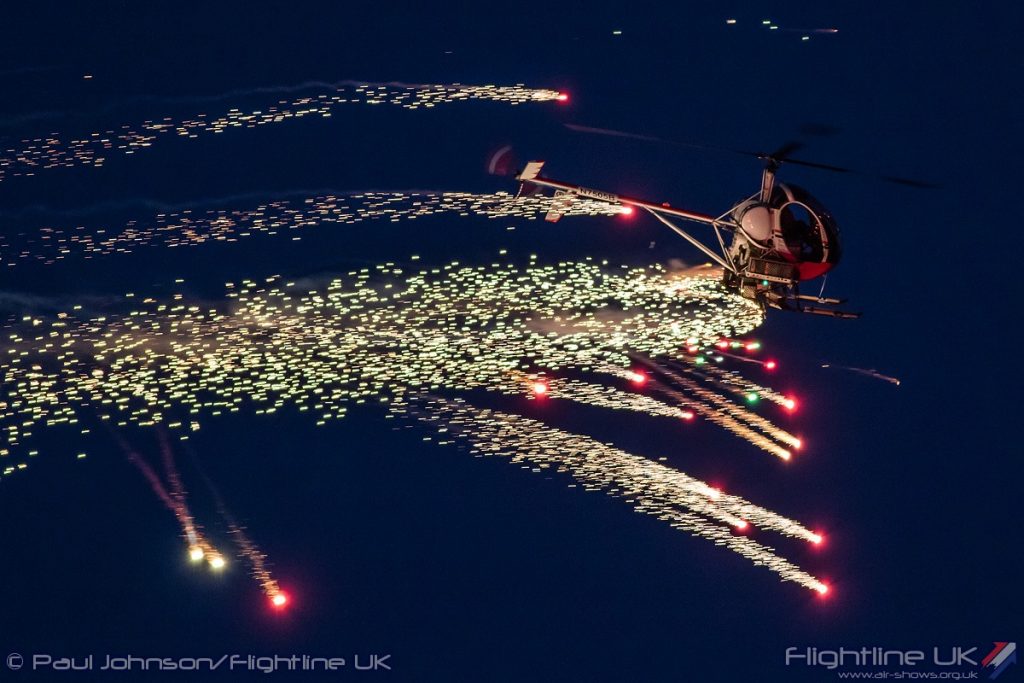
(384, 335)
(189, 228)
(171, 361)
(734, 382)
(387, 335)
(611, 398)
(652, 488)
(725, 413)
(33, 155)
(637, 378)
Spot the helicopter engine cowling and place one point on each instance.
(757, 223)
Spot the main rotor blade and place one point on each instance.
(778, 155)
(782, 152)
(815, 164)
(781, 155)
(908, 182)
(650, 138)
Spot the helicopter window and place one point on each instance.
(800, 231)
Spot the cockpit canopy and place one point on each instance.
(809, 235)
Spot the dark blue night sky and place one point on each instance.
(473, 569)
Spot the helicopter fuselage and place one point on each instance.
(780, 236)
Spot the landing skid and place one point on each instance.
(793, 301)
(830, 312)
(794, 305)
(819, 299)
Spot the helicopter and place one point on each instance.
(779, 237)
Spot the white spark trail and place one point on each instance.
(33, 155)
(49, 244)
(651, 487)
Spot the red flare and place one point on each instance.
(540, 388)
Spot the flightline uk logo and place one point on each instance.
(1002, 656)
(939, 663)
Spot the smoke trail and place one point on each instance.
(151, 478)
(256, 558)
(866, 372)
(175, 500)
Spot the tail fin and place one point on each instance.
(532, 170)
